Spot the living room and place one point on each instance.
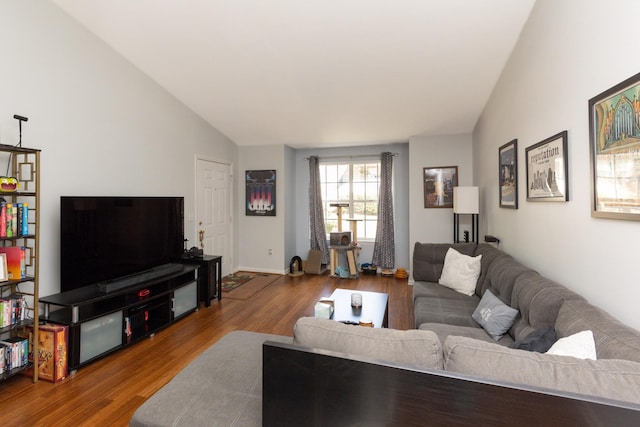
(109, 129)
(105, 128)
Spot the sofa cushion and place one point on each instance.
(612, 379)
(614, 340)
(413, 348)
(580, 345)
(442, 330)
(493, 315)
(446, 310)
(538, 300)
(435, 290)
(539, 340)
(460, 272)
(500, 277)
(428, 259)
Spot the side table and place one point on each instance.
(209, 277)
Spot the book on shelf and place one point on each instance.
(16, 261)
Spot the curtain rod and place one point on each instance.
(354, 156)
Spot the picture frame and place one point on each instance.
(438, 186)
(260, 192)
(508, 174)
(614, 138)
(548, 170)
(4, 272)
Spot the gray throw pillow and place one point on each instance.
(539, 340)
(493, 315)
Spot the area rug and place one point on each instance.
(243, 285)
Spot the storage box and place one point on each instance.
(340, 238)
(52, 352)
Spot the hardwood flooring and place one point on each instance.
(108, 391)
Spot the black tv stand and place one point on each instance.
(133, 279)
(101, 323)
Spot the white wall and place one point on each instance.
(436, 225)
(569, 52)
(258, 234)
(104, 127)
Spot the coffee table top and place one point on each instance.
(374, 308)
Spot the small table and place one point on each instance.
(375, 307)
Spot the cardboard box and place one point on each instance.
(52, 352)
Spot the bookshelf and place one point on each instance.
(23, 169)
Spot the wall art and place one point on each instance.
(614, 134)
(438, 186)
(260, 193)
(508, 174)
(547, 170)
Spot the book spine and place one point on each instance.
(25, 219)
(9, 219)
(14, 220)
(23, 262)
(3, 219)
(18, 232)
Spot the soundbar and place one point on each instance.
(126, 281)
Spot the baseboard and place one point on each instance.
(261, 270)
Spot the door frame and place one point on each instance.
(229, 163)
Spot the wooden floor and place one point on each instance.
(108, 392)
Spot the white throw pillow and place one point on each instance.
(460, 272)
(580, 345)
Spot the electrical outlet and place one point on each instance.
(270, 251)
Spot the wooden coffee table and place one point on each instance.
(375, 307)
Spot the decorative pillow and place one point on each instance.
(460, 272)
(419, 349)
(493, 315)
(580, 345)
(539, 340)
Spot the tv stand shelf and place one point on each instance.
(100, 323)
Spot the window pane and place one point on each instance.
(343, 173)
(372, 191)
(343, 192)
(372, 172)
(359, 173)
(359, 191)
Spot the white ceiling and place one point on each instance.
(313, 73)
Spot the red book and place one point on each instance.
(14, 255)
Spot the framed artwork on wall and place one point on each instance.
(260, 193)
(438, 186)
(547, 170)
(614, 135)
(508, 174)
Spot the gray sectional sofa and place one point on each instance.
(448, 371)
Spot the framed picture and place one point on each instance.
(508, 174)
(547, 170)
(4, 274)
(260, 193)
(438, 186)
(614, 135)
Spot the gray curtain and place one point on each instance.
(384, 251)
(316, 212)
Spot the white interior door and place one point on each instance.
(213, 211)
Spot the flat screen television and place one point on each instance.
(107, 238)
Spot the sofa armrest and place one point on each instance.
(303, 386)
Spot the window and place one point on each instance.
(355, 183)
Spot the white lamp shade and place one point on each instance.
(466, 200)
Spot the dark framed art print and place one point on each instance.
(438, 186)
(547, 170)
(508, 174)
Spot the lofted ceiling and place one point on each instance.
(316, 73)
